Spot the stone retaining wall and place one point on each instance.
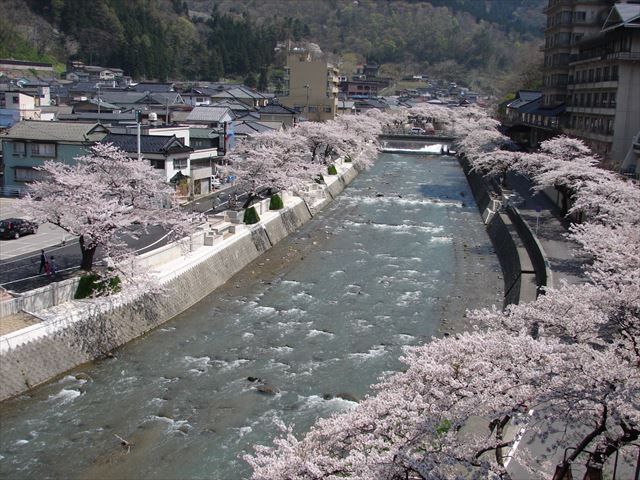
(521, 256)
(80, 331)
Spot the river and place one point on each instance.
(393, 261)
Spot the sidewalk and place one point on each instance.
(565, 260)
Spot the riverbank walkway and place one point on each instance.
(551, 228)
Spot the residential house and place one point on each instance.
(16, 106)
(152, 87)
(369, 103)
(238, 108)
(29, 143)
(210, 116)
(196, 97)
(162, 104)
(240, 129)
(95, 105)
(238, 93)
(346, 106)
(274, 112)
(310, 86)
(167, 153)
(367, 88)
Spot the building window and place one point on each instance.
(43, 149)
(614, 73)
(19, 148)
(15, 99)
(327, 109)
(179, 163)
(27, 174)
(313, 109)
(605, 74)
(298, 108)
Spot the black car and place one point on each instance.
(16, 227)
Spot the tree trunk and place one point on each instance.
(87, 255)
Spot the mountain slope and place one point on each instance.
(471, 41)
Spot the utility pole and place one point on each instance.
(138, 118)
(98, 87)
(307, 87)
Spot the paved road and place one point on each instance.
(565, 259)
(20, 260)
(48, 235)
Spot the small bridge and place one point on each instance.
(416, 144)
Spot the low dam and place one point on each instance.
(300, 333)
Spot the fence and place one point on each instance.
(40, 298)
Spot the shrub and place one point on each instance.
(319, 179)
(276, 202)
(93, 285)
(332, 170)
(251, 216)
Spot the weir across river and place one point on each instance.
(393, 261)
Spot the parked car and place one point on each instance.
(16, 227)
(417, 131)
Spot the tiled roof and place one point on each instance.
(203, 133)
(152, 87)
(56, 131)
(148, 143)
(274, 108)
(623, 14)
(102, 116)
(235, 106)
(119, 98)
(250, 128)
(208, 114)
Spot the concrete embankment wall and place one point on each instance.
(82, 330)
(516, 247)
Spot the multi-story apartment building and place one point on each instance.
(591, 75)
(310, 86)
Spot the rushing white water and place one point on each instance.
(394, 261)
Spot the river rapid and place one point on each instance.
(393, 261)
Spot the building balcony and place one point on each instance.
(611, 111)
(608, 85)
(628, 56)
(597, 136)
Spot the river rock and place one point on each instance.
(83, 376)
(253, 379)
(347, 396)
(267, 389)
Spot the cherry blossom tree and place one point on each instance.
(103, 198)
(279, 160)
(289, 159)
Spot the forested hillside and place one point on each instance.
(473, 41)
